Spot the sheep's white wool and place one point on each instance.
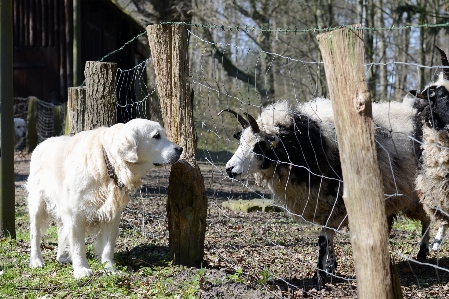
(440, 82)
(395, 116)
(275, 115)
(319, 109)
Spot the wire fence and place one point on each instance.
(259, 225)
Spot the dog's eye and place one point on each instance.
(157, 136)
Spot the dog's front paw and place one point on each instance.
(36, 262)
(82, 272)
(64, 258)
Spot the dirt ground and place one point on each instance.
(257, 254)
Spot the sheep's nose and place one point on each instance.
(179, 150)
(229, 172)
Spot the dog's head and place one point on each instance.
(20, 129)
(143, 141)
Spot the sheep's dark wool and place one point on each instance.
(300, 144)
(294, 152)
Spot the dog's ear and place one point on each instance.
(127, 149)
(123, 144)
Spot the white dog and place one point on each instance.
(84, 180)
(20, 130)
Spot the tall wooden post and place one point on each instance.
(7, 193)
(101, 100)
(187, 202)
(343, 55)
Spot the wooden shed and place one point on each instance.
(54, 38)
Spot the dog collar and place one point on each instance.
(111, 172)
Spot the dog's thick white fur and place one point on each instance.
(69, 180)
(20, 130)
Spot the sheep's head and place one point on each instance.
(254, 149)
(434, 99)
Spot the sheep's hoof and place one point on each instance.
(319, 279)
(331, 266)
(422, 253)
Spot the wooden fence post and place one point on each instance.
(7, 195)
(76, 106)
(343, 55)
(101, 100)
(32, 138)
(187, 202)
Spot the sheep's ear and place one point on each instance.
(416, 93)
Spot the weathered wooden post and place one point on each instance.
(187, 202)
(101, 100)
(7, 195)
(76, 108)
(343, 55)
(32, 138)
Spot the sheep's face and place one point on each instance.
(251, 155)
(433, 103)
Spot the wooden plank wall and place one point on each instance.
(43, 56)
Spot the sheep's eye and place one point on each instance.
(157, 136)
(430, 92)
(237, 135)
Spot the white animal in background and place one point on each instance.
(20, 131)
(83, 181)
(294, 151)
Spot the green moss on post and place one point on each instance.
(32, 139)
(57, 119)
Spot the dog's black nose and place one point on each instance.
(179, 149)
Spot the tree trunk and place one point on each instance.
(76, 106)
(100, 94)
(343, 56)
(187, 202)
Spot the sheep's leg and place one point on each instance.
(425, 236)
(325, 256)
(439, 237)
(331, 263)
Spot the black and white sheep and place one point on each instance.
(294, 152)
(432, 130)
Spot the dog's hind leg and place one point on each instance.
(76, 227)
(106, 243)
(38, 223)
(63, 255)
